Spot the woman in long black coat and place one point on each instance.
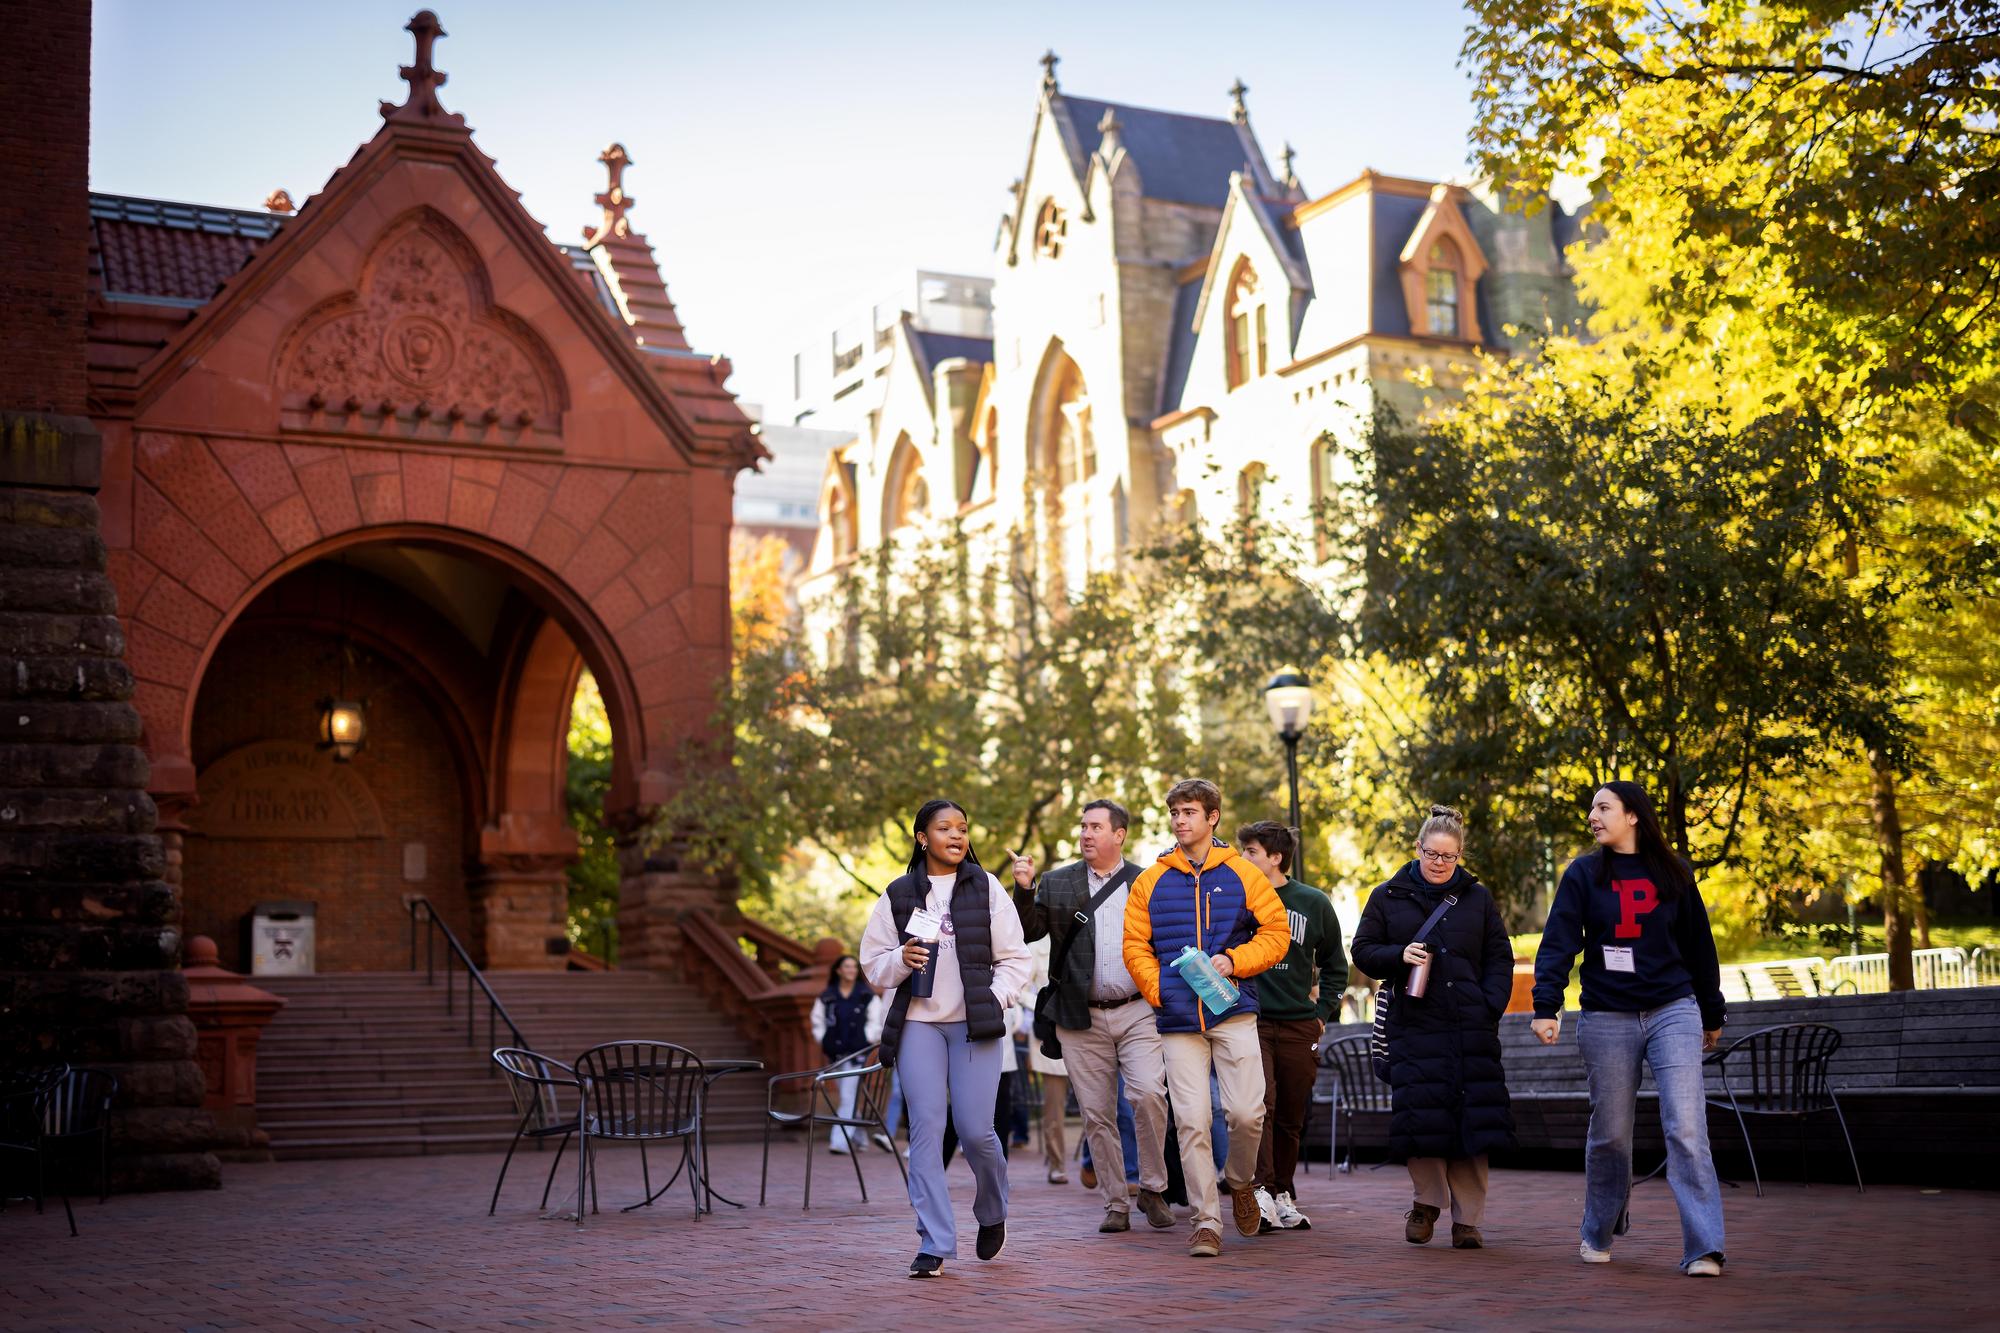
(1448, 1093)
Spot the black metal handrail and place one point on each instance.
(496, 1012)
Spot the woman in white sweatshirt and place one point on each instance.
(947, 1042)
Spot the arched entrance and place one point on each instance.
(468, 658)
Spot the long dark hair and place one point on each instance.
(919, 869)
(833, 977)
(1663, 864)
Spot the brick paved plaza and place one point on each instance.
(405, 1243)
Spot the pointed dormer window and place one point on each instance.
(1245, 333)
(1051, 230)
(1441, 302)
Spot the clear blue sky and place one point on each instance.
(790, 157)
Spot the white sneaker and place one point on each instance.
(1706, 1266)
(1289, 1216)
(1267, 1209)
(838, 1145)
(884, 1142)
(1591, 1255)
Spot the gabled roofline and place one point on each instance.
(398, 141)
(1241, 198)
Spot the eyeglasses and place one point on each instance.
(1438, 858)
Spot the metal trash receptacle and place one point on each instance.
(281, 939)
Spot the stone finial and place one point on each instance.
(614, 201)
(277, 201)
(1291, 176)
(1108, 126)
(1239, 112)
(1049, 62)
(422, 106)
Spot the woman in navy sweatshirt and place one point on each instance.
(1652, 991)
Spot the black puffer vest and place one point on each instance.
(972, 930)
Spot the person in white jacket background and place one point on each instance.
(847, 1018)
(947, 1043)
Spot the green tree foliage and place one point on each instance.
(1590, 587)
(593, 876)
(1794, 206)
(956, 671)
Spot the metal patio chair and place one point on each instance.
(24, 1107)
(536, 1083)
(1781, 1071)
(871, 1080)
(1355, 1090)
(77, 1110)
(640, 1092)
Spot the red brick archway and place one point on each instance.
(407, 361)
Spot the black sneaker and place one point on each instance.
(992, 1240)
(927, 1265)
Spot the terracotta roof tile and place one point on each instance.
(183, 252)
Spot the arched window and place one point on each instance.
(1250, 492)
(1245, 334)
(909, 493)
(1069, 445)
(1051, 229)
(1325, 490)
(842, 523)
(1441, 301)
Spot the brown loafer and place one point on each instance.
(1154, 1206)
(1466, 1238)
(1243, 1202)
(1207, 1244)
(1089, 1177)
(1418, 1223)
(1115, 1221)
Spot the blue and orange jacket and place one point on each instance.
(1225, 907)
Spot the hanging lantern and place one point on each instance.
(343, 727)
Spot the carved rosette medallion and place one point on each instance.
(419, 349)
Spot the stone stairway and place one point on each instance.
(368, 1064)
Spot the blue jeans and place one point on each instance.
(1612, 1045)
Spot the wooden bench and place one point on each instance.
(1917, 1074)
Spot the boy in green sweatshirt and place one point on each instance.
(1289, 1022)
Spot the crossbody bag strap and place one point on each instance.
(1450, 901)
(1082, 916)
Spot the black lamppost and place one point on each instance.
(1290, 701)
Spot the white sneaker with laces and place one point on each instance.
(1591, 1255)
(1706, 1266)
(1289, 1216)
(1267, 1208)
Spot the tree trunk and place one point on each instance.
(1889, 840)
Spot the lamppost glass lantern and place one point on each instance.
(1290, 701)
(343, 727)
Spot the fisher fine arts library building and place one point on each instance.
(393, 448)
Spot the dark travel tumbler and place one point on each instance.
(924, 977)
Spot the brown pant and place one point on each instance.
(1290, 1065)
(1055, 1104)
(1459, 1183)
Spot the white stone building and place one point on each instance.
(1175, 328)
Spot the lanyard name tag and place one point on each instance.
(925, 925)
(1617, 959)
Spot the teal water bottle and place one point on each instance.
(1198, 970)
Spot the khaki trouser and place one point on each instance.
(1459, 1182)
(1055, 1104)
(1239, 1073)
(1121, 1040)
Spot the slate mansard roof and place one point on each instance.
(1181, 159)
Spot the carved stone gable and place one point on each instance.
(419, 350)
